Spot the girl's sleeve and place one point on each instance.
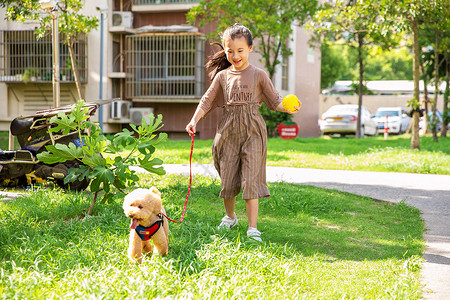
(269, 94)
(213, 97)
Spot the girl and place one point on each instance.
(240, 145)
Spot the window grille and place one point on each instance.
(165, 65)
(23, 57)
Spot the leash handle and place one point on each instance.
(190, 184)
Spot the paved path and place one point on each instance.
(429, 193)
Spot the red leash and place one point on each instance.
(189, 189)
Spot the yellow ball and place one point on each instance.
(290, 101)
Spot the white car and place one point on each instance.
(398, 120)
(342, 119)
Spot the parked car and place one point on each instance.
(398, 119)
(429, 119)
(342, 119)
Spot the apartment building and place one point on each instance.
(152, 60)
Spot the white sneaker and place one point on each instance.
(254, 233)
(228, 222)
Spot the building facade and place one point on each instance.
(152, 60)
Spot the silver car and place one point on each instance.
(397, 119)
(342, 119)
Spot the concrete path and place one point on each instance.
(429, 193)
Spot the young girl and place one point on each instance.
(240, 145)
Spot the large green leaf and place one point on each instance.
(149, 165)
(146, 148)
(64, 123)
(94, 160)
(123, 140)
(60, 153)
(102, 175)
(49, 158)
(80, 113)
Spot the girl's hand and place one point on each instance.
(190, 128)
(282, 109)
(296, 110)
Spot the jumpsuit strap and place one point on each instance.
(255, 84)
(224, 83)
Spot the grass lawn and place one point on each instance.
(319, 244)
(368, 154)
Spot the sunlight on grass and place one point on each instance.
(319, 244)
(368, 154)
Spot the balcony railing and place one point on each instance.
(162, 5)
(153, 2)
(23, 58)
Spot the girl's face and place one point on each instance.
(237, 51)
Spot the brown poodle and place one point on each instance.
(144, 208)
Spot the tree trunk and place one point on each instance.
(426, 100)
(415, 138)
(360, 86)
(445, 111)
(436, 82)
(91, 208)
(74, 68)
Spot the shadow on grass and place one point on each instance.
(314, 221)
(48, 228)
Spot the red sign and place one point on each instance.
(288, 130)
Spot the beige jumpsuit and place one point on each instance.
(240, 145)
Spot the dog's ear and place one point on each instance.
(155, 190)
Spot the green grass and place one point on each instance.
(368, 154)
(319, 244)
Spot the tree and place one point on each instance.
(358, 23)
(433, 69)
(379, 64)
(70, 23)
(333, 65)
(446, 111)
(269, 21)
(409, 15)
(439, 21)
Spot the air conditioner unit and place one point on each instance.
(122, 19)
(120, 109)
(139, 113)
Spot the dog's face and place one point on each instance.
(141, 204)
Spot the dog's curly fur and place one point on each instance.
(142, 206)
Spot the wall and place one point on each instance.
(307, 84)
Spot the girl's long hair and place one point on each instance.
(219, 61)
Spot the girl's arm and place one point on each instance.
(191, 127)
(208, 102)
(271, 96)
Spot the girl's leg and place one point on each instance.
(229, 207)
(251, 205)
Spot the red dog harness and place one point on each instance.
(145, 233)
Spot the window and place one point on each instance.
(165, 65)
(23, 57)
